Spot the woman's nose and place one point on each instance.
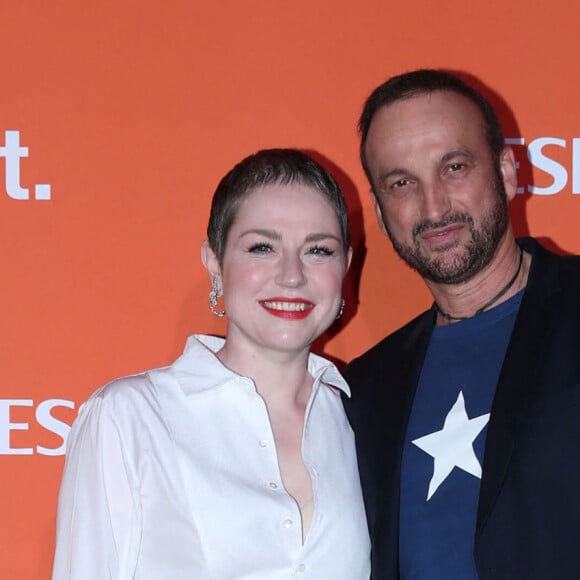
(291, 271)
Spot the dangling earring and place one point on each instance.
(341, 309)
(213, 298)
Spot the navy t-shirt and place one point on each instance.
(443, 451)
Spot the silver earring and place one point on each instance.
(213, 298)
(341, 309)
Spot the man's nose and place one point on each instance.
(436, 201)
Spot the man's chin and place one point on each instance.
(445, 248)
(449, 266)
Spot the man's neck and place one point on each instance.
(502, 278)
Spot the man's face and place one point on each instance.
(440, 199)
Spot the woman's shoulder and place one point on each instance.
(134, 395)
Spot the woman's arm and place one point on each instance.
(98, 523)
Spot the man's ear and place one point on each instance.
(507, 167)
(379, 214)
(210, 261)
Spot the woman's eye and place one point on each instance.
(321, 251)
(261, 248)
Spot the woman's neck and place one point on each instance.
(281, 378)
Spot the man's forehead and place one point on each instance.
(416, 116)
(432, 101)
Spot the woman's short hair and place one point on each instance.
(270, 166)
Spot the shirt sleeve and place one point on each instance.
(98, 519)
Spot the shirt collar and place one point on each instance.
(198, 369)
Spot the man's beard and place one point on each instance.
(478, 253)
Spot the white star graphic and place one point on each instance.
(453, 445)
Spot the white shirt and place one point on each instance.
(172, 475)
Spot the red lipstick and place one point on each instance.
(287, 308)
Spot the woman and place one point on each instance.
(237, 460)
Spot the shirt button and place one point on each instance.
(273, 485)
(302, 567)
(262, 443)
(287, 523)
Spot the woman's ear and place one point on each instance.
(348, 258)
(210, 260)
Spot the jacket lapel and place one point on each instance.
(520, 375)
(401, 378)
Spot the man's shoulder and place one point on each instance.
(550, 267)
(571, 265)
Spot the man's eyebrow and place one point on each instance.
(456, 153)
(391, 173)
(447, 157)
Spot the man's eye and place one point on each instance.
(456, 167)
(261, 248)
(400, 183)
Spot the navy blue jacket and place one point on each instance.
(528, 521)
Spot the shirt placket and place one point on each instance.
(288, 515)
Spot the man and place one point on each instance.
(467, 419)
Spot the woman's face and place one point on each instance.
(282, 269)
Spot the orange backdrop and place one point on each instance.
(117, 119)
